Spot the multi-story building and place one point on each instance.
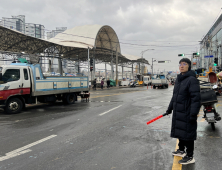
(16, 23)
(53, 33)
(211, 45)
(35, 30)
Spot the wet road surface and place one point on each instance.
(109, 132)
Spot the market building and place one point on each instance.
(210, 47)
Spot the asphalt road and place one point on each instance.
(109, 132)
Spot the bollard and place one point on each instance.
(147, 85)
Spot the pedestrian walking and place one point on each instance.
(185, 105)
(94, 84)
(102, 83)
(108, 83)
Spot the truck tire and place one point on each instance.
(69, 98)
(167, 86)
(13, 106)
(154, 87)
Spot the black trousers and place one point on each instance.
(188, 144)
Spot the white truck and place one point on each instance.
(159, 80)
(22, 84)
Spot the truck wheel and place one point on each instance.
(154, 87)
(167, 86)
(69, 98)
(14, 105)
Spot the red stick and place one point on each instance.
(151, 121)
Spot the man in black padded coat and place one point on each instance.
(185, 105)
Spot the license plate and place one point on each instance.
(208, 115)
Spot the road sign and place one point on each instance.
(208, 56)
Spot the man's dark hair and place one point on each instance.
(186, 60)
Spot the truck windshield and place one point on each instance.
(10, 75)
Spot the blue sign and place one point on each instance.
(208, 56)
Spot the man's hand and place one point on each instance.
(166, 114)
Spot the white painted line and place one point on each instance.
(24, 149)
(17, 154)
(110, 110)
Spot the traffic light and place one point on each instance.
(215, 61)
(91, 62)
(91, 68)
(196, 53)
(181, 55)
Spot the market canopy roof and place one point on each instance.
(134, 58)
(72, 44)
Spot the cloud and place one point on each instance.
(146, 22)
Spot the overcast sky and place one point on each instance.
(168, 26)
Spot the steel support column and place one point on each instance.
(112, 75)
(88, 68)
(105, 71)
(116, 67)
(132, 71)
(60, 66)
(122, 72)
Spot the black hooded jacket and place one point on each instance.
(185, 104)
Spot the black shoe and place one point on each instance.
(179, 153)
(186, 160)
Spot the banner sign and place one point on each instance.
(208, 56)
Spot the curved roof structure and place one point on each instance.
(72, 44)
(93, 36)
(102, 39)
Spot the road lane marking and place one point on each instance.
(14, 155)
(24, 149)
(202, 120)
(176, 165)
(110, 110)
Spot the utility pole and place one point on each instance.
(152, 66)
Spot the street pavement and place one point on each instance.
(107, 133)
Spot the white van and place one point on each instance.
(146, 80)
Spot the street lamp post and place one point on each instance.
(142, 55)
